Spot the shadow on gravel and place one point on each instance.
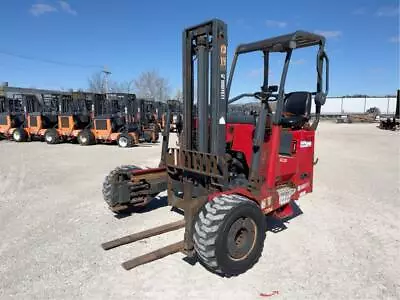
(276, 225)
(156, 203)
(148, 144)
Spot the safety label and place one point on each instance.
(305, 144)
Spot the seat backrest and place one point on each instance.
(298, 103)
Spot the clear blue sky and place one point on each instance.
(133, 36)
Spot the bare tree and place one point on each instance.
(178, 95)
(97, 83)
(151, 85)
(118, 87)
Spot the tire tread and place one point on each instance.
(209, 224)
(108, 180)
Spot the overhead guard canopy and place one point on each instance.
(283, 43)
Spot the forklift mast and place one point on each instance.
(76, 103)
(48, 103)
(103, 107)
(206, 42)
(123, 105)
(11, 105)
(66, 105)
(146, 111)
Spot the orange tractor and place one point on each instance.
(74, 115)
(40, 109)
(113, 121)
(11, 114)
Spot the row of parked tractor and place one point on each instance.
(83, 117)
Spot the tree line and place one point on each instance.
(149, 85)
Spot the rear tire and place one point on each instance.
(229, 234)
(125, 140)
(51, 137)
(111, 178)
(86, 138)
(19, 135)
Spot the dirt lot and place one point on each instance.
(345, 244)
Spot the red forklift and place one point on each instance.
(229, 172)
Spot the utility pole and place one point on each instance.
(106, 74)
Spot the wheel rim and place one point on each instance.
(241, 238)
(49, 138)
(123, 141)
(17, 136)
(83, 139)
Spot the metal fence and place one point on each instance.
(349, 105)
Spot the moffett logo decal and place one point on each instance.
(223, 55)
(305, 144)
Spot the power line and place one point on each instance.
(49, 61)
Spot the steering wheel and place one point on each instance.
(258, 95)
(267, 96)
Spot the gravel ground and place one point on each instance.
(344, 245)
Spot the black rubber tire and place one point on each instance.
(51, 136)
(147, 137)
(125, 140)
(19, 135)
(211, 232)
(110, 178)
(86, 138)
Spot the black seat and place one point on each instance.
(240, 118)
(117, 122)
(296, 109)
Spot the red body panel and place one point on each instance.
(294, 171)
(241, 137)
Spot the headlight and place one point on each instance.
(174, 119)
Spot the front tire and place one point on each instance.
(125, 140)
(229, 234)
(51, 136)
(86, 138)
(19, 135)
